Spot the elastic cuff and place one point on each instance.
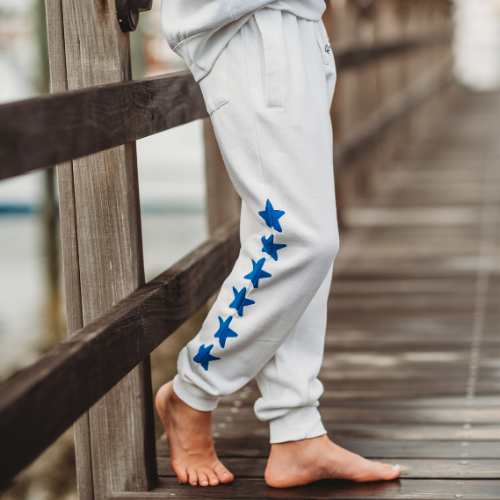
(194, 396)
(302, 423)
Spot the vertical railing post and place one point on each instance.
(102, 249)
(223, 202)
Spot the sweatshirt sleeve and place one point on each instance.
(198, 30)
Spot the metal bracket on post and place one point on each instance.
(127, 12)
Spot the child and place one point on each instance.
(267, 74)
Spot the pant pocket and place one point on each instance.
(215, 86)
(272, 56)
(327, 57)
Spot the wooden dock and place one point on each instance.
(412, 361)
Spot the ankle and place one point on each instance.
(303, 445)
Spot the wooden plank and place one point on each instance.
(373, 392)
(369, 448)
(455, 374)
(350, 57)
(410, 468)
(359, 430)
(75, 374)
(404, 489)
(386, 415)
(109, 237)
(342, 341)
(413, 432)
(48, 130)
(328, 398)
(69, 243)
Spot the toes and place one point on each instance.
(387, 471)
(193, 477)
(394, 471)
(181, 474)
(202, 478)
(223, 474)
(212, 477)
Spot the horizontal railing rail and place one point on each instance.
(38, 405)
(45, 131)
(396, 107)
(351, 57)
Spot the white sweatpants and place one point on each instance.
(269, 96)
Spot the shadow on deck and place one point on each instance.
(412, 361)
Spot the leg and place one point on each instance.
(269, 101)
(277, 145)
(277, 151)
(301, 453)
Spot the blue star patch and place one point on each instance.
(204, 357)
(224, 331)
(270, 247)
(257, 272)
(240, 301)
(271, 216)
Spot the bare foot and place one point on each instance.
(189, 434)
(296, 463)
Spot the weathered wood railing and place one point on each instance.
(44, 131)
(124, 325)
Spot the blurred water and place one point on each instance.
(21, 292)
(171, 170)
(172, 191)
(167, 237)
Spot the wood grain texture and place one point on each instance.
(350, 57)
(44, 400)
(242, 447)
(397, 378)
(107, 221)
(109, 250)
(69, 243)
(411, 468)
(400, 104)
(405, 489)
(390, 415)
(104, 224)
(45, 131)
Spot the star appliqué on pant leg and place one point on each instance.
(204, 357)
(257, 272)
(240, 301)
(224, 331)
(271, 216)
(270, 247)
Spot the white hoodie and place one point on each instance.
(198, 30)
